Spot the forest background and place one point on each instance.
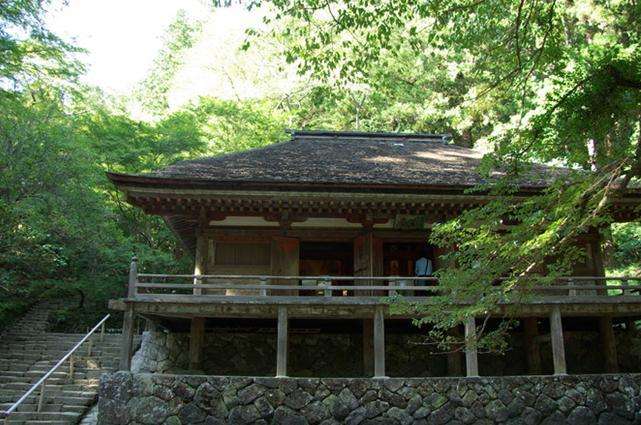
(64, 229)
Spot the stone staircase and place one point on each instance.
(27, 352)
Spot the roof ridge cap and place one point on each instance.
(330, 134)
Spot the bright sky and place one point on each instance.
(122, 36)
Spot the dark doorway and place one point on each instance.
(399, 258)
(326, 259)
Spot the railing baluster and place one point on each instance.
(42, 396)
(263, 291)
(71, 368)
(89, 346)
(572, 291)
(328, 287)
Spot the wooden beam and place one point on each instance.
(379, 343)
(281, 343)
(196, 340)
(608, 343)
(558, 347)
(532, 350)
(348, 307)
(471, 355)
(127, 341)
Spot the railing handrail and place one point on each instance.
(347, 278)
(152, 285)
(53, 369)
(276, 277)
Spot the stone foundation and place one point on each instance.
(127, 398)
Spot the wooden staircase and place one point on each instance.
(27, 352)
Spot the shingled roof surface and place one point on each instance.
(348, 158)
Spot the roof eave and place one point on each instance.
(124, 180)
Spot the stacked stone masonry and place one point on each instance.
(127, 398)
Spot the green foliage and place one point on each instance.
(179, 37)
(62, 224)
(554, 82)
(231, 126)
(533, 82)
(625, 258)
(28, 51)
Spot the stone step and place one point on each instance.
(67, 417)
(32, 406)
(55, 386)
(79, 375)
(28, 352)
(68, 400)
(50, 381)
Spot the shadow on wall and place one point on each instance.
(340, 354)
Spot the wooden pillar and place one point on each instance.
(127, 341)
(281, 343)
(608, 343)
(454, 356)
(531, 345)
(368, 347)
(196, 340)
(368, 261)
(471, 355)
(201, 258)
(558, 347)
(379, 343)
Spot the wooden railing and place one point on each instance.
(42, 382)
(354, 286)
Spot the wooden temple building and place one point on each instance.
(304, 239)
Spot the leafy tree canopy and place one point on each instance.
(551, 82)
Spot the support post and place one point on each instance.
(558, 347)
(609, 345)
(281, 343)
(471, 355)
(379, 343)
(102, 332)
(133, 278)
(196, 339)
(127, 341)
(532, 350)
(200, 260)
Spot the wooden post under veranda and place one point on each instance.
(558, 346)
(471, 354)
(282, 342)
(127, 341)
(379, 343)
(196, 340)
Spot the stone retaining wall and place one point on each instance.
(127, 398)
